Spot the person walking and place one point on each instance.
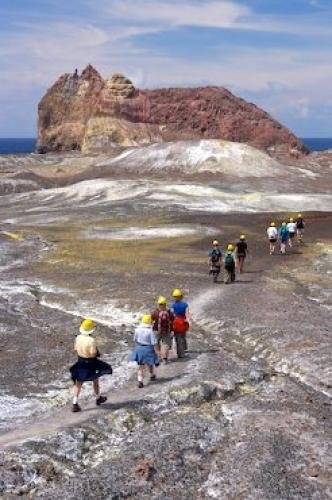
(272, 234)
(241, 252)
(215, 258)
(180, 309)
(229, 264)
(300, 228)
(283, 237)
(163, 318)
(146, 350)
(88, 367)
(292, 227)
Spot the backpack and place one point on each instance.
(284, 232)
(164, 322)
(215, 256)
(229, 261)
(180, 325)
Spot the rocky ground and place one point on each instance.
(246, 414)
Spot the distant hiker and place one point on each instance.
(229, 263)
(300, 228)
(272, 234)
(88, 367)
(146, 350)
(163, 327)
(241, 252)
(283, 237)
(180, 310)
(215, 258)
(292, 227)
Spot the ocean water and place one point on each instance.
(17, 146)
(317, 144)
(22, 146)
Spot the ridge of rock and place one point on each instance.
(86, 112)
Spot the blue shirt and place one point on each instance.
(179, 308)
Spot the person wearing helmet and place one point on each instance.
(215, 258)
(88, 367)
(146, 350)
(300, 228)
(291, 226)
(180, 309)
(283, 237)
(241, 252)
(163, 327)
(229, 263)
(272, 234)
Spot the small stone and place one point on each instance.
(144, 469)
(312, 471)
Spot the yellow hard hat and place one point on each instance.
(87, 326)
(242, 237)
(272, 224)
(177, 293)
(215, 242)
(146, 319)
(299, 215)
(161, 301)
(284, 224)
(291, 219)
(230, 248)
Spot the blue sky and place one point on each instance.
(276, 53)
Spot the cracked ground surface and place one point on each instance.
(246, 415)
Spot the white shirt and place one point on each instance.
(272, 232)
(145, 335)
(291, 226)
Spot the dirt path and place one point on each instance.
(127, 396)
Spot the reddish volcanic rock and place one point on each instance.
(87, 113)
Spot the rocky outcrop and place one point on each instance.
(87, 113)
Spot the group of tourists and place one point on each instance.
(285, 234)
(233, 259)
(153, 339)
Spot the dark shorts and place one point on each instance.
(165, 339)
(292, 235)
(273, 240)
(230, 269)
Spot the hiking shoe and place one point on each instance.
(140, 385)
(153, 377)
(101, 400)
(76, 408)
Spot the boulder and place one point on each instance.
(85, 112)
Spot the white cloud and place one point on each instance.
(35, 54)
(301, 107)
(212, 14)
(226, 14)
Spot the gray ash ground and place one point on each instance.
(246, 415)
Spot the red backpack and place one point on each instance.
(165, 322)
(180, 325)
